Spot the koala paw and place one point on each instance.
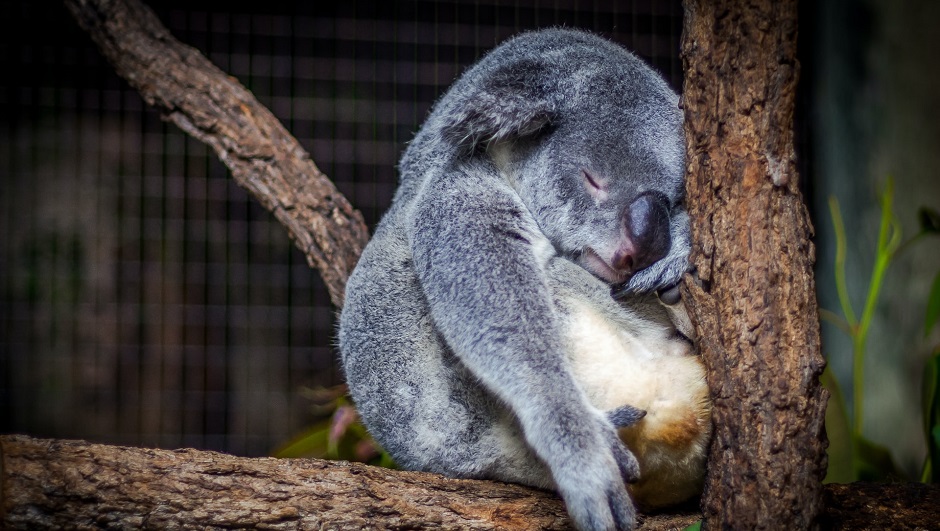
(625, 416)
(594, 485)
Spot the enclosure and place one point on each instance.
(147, 300)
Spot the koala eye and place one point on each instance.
(590, 179)
(595, 186)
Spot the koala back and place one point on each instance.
(556, 146)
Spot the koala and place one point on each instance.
(557, 149)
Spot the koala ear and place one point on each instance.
(506, 103)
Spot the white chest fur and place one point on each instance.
(654, 371)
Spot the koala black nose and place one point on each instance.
(646, 221)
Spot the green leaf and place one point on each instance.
(931, 392)
(933, 306)
(929, 220)
(932, 473)
(931, 408)
(839, 226)
(874, 462)
(386, 461)
(841, 468)
(697, 526)
(312, 443)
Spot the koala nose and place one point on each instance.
(646, 223)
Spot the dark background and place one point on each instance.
(146, 299)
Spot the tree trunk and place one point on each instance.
(213, 107)
(752, 297)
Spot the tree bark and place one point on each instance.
(56, 484)
(213, 107)
(70, 484)
(752, 298)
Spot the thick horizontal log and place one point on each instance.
(74, 484)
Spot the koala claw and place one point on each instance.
(608, 507)
(626, 461)
(613, 511)
(593, 483)
(670, 295)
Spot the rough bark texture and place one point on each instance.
(214, 108)
(55, 484)
(72, 484)
(753, 301)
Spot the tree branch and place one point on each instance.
(67, 484)
(214, 108)
(55, 484)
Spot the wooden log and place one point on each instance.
(50, 484)
(58, 484)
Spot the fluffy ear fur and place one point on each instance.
(506, 105)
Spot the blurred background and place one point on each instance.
(146, 300)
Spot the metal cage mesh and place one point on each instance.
(146, 299)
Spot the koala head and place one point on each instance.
(591, 139)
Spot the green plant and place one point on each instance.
(852, 456)
(931, 392)
(339, 436)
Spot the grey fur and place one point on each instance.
(452, 337)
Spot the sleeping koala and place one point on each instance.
(558, 147)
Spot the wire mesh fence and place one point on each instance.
(146, 299)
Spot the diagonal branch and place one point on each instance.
(215, 108)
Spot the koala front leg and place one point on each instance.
(480, 259)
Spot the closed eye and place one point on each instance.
(596, 186)
(592, 181)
